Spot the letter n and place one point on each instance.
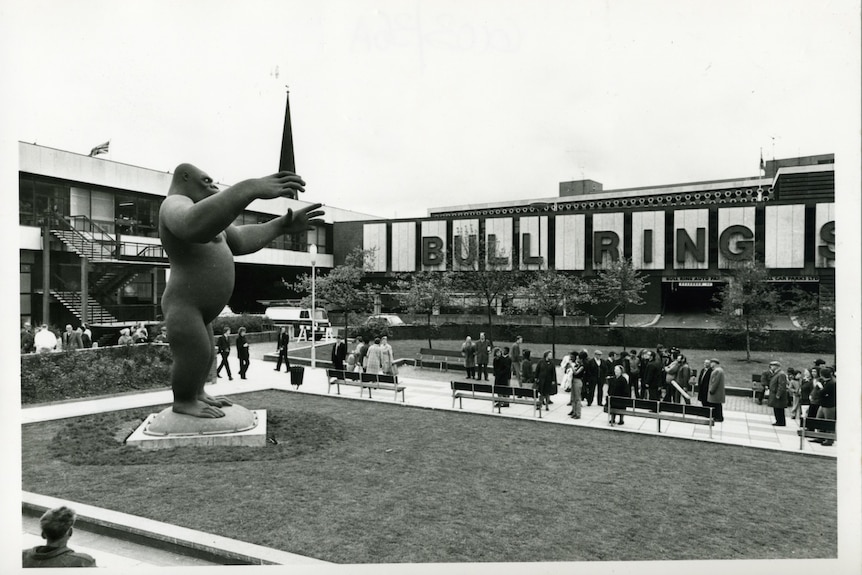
(684, 245)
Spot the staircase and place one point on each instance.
(113, 278)
(95, 251)
(71, 300)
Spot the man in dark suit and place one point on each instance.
(339, 353)
(596, 373)
(703, 383)
(224, 350)
(653, 376)
(716, 390)
(283, 340)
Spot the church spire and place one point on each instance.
(286, 162)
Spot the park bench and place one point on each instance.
(444, 356)
(363, 381)
(496, 394)
(383, 381)
(661, 411)
(823, 429)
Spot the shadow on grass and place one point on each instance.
(354, 481)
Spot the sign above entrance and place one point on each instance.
(695, 284)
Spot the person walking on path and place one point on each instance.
(619, 387)
(374, 357)
(528, 375)
(703, 383)
(483, 355)
(28, 343)
(794, 389)
(517, 357)
(546, 379)
(715, 397)
(468, 352)
(282, 346)
(71, 339)
(57, 527)
(44, 341)
(387, 356)
(339, 354)
(242, 352)
(777, 392)
(577, 384)
(596, 372)
(828, 401)
(223, 345)
(502, 368)
(360, 352)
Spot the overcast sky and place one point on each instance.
(400, 106)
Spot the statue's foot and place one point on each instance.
(197, 408)
(220, 401)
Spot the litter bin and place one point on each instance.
(296, 373)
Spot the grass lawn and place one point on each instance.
(737, 370)
(359, 482)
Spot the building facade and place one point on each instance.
(684, 237)
(90, 251)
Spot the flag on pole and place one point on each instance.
(762, 165)
(100, 149)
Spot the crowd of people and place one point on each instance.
(663, 374)
(374, 357)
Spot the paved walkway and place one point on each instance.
(745, 424)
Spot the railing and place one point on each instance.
(135, 312)
(89, 232)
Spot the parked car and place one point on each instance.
(390, 319)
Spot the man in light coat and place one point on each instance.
(777, 392)
(715, 397)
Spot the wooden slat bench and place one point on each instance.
(371, 381)
(496, 394)
(823, 429)
(661, 411)
(364, 381)
(446, 357)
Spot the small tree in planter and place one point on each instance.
(621, 285)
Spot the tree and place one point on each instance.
(423, 292)
(492, 280)
(550, 293)
(747, 302)
(341, 288)
(814, 312)
(621, 285)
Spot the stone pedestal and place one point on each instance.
(239, 427)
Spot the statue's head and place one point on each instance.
(192, 182)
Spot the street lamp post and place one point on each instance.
(312, 249)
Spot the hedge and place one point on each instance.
(57, 376)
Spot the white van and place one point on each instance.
(297, 317)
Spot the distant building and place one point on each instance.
(683, 237)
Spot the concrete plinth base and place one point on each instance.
(166, 429)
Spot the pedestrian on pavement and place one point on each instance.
(28, 344)
(242, 352)
(502, 369)
(282, 345)
(339, 353)
(374, 357)
(387, 357)
(619, 388)
(71, 339)
(777, 392)
(360, 352)
(223, 345)
(125, 337)
(468, 352)
(484, 348)
(163, 335)
(794, 388)
(528, 375)
(86, 336)
(703, 383)
(44, 341)
(57, 528)
(653, 375)
(546, 379)
(577, 384)
(596, 372)
(827, 398)
(634, 371)
(716, 390)
(517, 357)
